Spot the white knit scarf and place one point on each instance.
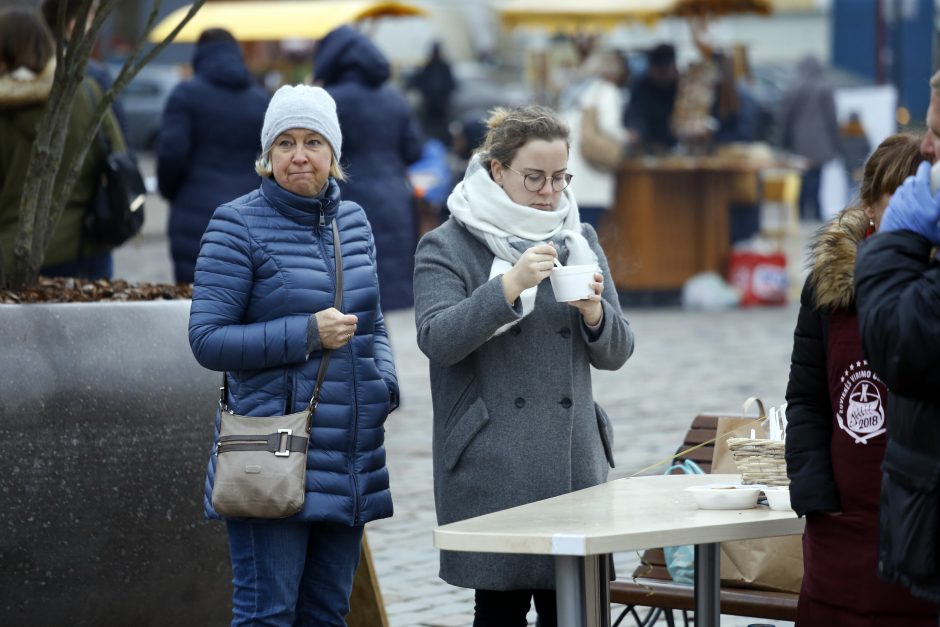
(509, 229)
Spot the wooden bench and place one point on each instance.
(653, 588)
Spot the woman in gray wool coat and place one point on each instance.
(514, 417)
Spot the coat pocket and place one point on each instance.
(909, 514)
(464, 430)
(606, 432)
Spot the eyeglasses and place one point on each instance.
(535, 181)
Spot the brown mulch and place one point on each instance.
(68, 290)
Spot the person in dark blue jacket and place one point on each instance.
(897, 279)
(262, 312)
(382, 138)
(208, 141)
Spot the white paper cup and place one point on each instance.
(778, 497)
(573, 282)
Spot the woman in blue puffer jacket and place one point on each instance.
(263, 313)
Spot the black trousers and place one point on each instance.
(508, 608)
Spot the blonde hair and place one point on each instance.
(510, 129)
(935, 84)
(263, 166)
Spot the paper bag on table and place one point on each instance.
(764, 563)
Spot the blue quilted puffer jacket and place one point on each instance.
(265, 264)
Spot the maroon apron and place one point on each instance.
(840, 553)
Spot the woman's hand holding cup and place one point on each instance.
(591, 308)
(533, 267)
(335, 327)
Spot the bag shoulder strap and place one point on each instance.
(325, 359)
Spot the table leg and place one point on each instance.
(582, 586)
(707, 585)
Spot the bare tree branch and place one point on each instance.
(48, 182)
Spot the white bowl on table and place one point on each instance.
(725, 495)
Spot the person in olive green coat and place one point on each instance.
(27, 68)
(514, 417)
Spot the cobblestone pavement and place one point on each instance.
(685, 363)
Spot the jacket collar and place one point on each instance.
(22, 88)
(305, 210)
(833, 254)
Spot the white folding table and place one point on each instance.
(583, 528)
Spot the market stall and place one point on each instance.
(671, 218)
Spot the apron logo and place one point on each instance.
(861, 409)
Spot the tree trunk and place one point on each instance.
(49, 181)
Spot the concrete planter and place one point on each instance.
(105, 429)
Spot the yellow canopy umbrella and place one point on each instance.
(569, 15)
(276, 20)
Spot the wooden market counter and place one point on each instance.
(671, 218)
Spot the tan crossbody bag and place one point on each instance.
(261, 462)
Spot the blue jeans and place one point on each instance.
(292, 573)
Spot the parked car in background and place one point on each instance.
(144, 99)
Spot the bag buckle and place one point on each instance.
(283, 443)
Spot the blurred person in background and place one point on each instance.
(208, 141)
(836, 422)
(808, 127)
(381, 138)
(897, 282)
(95, 69)
(27, 68)
(602, 88)
(467, 134)
(854, 148)
(514, 415)
(735, 110)
(435, 82)
(652, 100)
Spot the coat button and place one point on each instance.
(520, 402)
(565, 332)
(515, 330)
(565, 402)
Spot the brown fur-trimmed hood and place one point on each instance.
(21, 87)
(833, 254)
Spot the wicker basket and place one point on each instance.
(760, 461)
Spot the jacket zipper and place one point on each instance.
(355, 427)
(289, 384)
(355, 437)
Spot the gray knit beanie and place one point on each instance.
(302, 106)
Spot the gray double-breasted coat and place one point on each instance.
(514, 417)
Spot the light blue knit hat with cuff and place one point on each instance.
(302, 106)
